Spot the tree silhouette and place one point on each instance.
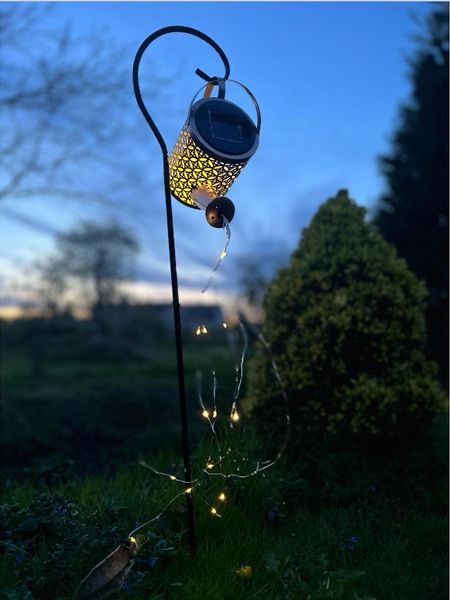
(67, 115)
(413, 213)
(346, 327)
(90, 261)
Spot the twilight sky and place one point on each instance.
(329, 78)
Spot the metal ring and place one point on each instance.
(217, 82)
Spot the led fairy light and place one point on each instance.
(239, 375)
(206, 413)
(214, 411)
(169, 475)
(234, 415)
(240, 369)
(260, 465)
(211, 467)
(209, 415)
(226, 226)
(186, 492)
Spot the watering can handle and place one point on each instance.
(151, 38)
(220, 81)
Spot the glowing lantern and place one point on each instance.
(214, 145)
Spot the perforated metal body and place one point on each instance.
(212, 148)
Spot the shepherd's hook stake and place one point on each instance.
(171, 239)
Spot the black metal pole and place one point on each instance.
(172, 255)
(180, 362)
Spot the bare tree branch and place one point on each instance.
(64, 102)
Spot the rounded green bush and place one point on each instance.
(345, 321)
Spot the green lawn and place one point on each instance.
(90, 415)
(373, 546)
(314, 526)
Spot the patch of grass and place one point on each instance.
(328, 523)
(359, 549)
(91, 415)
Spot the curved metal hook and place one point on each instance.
(137, 60)
(171, 240)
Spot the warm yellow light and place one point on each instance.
(214, 512)
(245, 572)
(172, 477)
(209, 466)
(225, 326)
(214, 413)
(205, 413)
(188, 490)
(133, 540)
(234, 416)
(201, 329)
(222, 497)
(223, 254)
(204, 330)
(192, 168)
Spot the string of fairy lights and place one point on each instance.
(226, 226)
(210, 412)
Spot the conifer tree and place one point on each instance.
(346, 326)
(413, 213)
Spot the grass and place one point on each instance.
(319, 526)
(88, 411)
(371, 547)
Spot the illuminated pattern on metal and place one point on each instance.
(191, 168)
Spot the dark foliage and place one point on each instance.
(346, 325)
(413, 213)
(74, 536)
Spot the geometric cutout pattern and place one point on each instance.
(191, 168)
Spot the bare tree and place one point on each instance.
(63, 103)
(88, 265)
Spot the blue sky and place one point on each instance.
(329, 78)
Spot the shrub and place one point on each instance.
(345, 320)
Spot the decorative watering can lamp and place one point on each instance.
(214, 145)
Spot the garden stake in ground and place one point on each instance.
(213, 146)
